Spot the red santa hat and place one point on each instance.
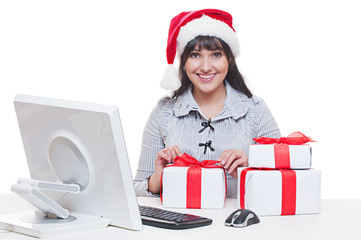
(185, 27)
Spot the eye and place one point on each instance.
(217, 54)
(194, 55)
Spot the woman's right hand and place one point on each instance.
(164, 157)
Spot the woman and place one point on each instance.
(211, 115)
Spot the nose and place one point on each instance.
(206, 65)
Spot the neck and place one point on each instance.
(214, 97)
(211, 103)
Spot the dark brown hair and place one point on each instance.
(233, 77)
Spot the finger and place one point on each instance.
(163, 157)
(236, 154)
(177, 150)
(233, 156)
(173, 152)
(244, 160)
(169, 154)
(160, 163)
(224, 157)
(233, 166)
(241, 162)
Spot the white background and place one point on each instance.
(302, 57)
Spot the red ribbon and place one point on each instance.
(281, 148)
(288, 192)
(194, 177)
(296, 138)
(288, 189)
(282, 156)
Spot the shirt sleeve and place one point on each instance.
(152, 143)
(266, 124)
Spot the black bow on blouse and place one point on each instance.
(205, 125)
(207, 145)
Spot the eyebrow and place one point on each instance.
(213, 50)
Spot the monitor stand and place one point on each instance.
(30, 223)
(50, 219)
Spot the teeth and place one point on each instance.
(206, 76)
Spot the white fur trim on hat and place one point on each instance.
(207, 26)
(170, 80)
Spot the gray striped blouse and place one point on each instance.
(178, 122)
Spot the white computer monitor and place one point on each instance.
(81, 143)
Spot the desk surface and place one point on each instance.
(339, 219)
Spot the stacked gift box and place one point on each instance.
(279, 179)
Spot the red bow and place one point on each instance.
(296, 138)
(188, 161)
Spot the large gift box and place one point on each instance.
(279, 192)
(189, 183)
(285, 152)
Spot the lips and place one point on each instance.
(206, 77)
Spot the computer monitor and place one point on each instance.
(80, 143)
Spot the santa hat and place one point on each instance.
(185, 27)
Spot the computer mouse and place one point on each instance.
(241, 218)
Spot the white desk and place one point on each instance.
(339, 219)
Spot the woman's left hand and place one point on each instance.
(231, 159)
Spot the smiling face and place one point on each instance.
(206, 69)
(233, 77)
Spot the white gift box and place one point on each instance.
(263, 156)
(174, 187)
(263, 191)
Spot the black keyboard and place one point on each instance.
(172, 220)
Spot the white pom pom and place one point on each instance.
(170, 80)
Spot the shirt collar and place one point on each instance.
(236, 104)
(185, 104)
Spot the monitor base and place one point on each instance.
(33, 224)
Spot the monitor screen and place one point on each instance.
(80, 143)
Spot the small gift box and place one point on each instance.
(285, 152)
(279, 192)
(189, 183)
